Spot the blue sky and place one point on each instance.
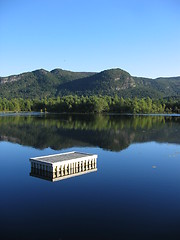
(139, 36)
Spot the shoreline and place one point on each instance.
(25, 113)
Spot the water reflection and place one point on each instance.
(108, 132)
(134, 195)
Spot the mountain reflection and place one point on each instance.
(111, 132)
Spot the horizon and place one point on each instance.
(88, 71)
(140, 37)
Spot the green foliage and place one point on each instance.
(91, 104)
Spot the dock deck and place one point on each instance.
(55, 158)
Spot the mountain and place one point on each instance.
(66, 76)
(38, 83)
(164, 87)
(58, 82)
(106, 83)
(117, 81)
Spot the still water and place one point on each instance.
(134, 194)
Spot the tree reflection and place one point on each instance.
(112, 132)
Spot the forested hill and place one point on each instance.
(37, 84)
(58, 82)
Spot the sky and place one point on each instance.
(139, 36)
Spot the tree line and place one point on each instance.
(91, 104)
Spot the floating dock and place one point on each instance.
(64, 165)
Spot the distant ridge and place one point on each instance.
(58, 82)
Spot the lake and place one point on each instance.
(134, 194)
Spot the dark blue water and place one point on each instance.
(135, 193)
